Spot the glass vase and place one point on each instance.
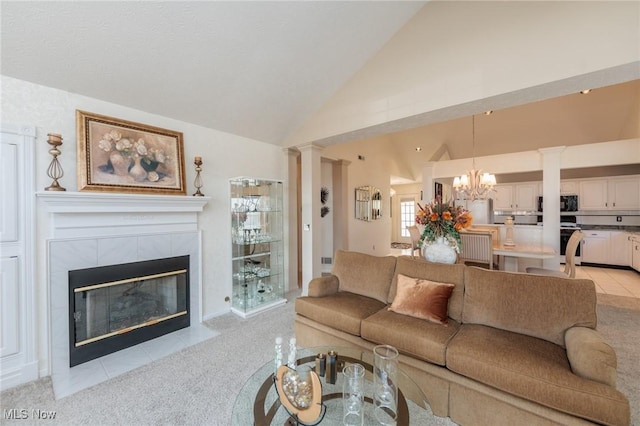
(353, 395)
(385, 385)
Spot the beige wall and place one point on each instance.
(452, 53)
(367, 237)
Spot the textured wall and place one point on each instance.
(224, 156)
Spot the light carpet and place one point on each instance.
(198, 385)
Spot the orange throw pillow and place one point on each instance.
(422, 299)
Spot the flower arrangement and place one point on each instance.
(443, 219)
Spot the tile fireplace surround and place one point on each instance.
(96, 229)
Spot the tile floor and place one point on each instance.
(616, 282)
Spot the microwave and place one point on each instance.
(568, 203)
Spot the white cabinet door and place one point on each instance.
(624, 193)
(18, 354)
(595, 247)
(619, 248)
(10, 297)
(635, 255)
(569, 187)
(9, 200)
(593, 194)
(503, 197)
(526, 194)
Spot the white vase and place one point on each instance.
(119, 163)
(137, 171)
(439, 251)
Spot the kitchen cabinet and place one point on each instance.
(624, 193)
(595, 247)
(619, 193)
(619, 248)
(569, 187)
(593, 195)
(257, 245)
(522, 196)
(607, 247)
(635, 253)
(503, 197)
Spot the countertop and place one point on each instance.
(632, 229)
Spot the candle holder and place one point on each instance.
(54, 171)
(508, 223)
(198, 181)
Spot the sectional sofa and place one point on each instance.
(509, 348)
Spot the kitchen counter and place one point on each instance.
(610, 228)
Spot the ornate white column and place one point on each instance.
(311, 178)
(427, 182)
(551, 164)
(291, 219)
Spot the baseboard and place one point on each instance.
(18, 376)
(216, 314)
(602, 265)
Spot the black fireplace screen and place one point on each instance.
(117, 306)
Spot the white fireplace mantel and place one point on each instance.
(91, 229)
(91, 202)
(94, 214)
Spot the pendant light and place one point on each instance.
(475, 184)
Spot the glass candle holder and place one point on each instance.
(353, 395)
(385, 386)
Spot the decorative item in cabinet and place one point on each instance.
(257, 246)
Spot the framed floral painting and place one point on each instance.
(122, 156)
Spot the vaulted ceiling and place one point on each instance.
(260, 69)
(256, 69)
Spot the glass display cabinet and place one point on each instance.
(257, 247)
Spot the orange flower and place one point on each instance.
(446, 215)
(464, 221)
(433, 217)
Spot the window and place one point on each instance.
(407, 215)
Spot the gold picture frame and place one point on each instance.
(116, 155)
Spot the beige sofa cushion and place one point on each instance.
(411, 336)
(323, 286)
(533, 369)
(534, 305)
(590, 356)
(364, 274)
(343, 311)
(439, 272)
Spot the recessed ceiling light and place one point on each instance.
(585, 91)
(418, 148)
(488, 112)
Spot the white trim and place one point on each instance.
(23, 366)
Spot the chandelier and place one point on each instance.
(475, 184)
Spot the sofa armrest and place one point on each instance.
(590, 356)
(323, 286)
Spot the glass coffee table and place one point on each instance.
(258, 402)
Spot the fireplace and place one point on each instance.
(95, 229)
(117, 306)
